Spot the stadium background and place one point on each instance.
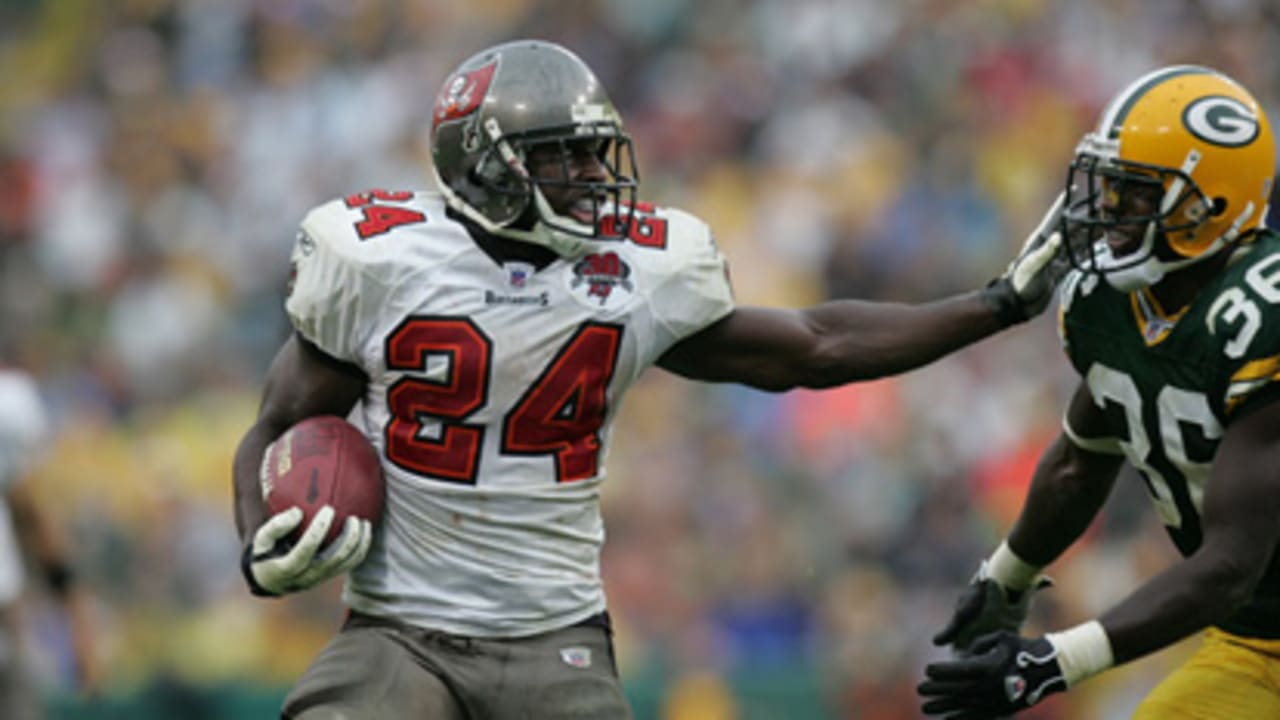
(768, 555)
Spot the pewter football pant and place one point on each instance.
(377, 668)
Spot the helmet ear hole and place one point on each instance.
(1219, 206)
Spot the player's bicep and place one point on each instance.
(761, 347)
(303, 382)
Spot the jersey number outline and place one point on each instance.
(378, 218)
(560, 414)
(1175, 407)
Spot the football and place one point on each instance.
(322, 461)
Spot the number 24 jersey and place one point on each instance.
(1169, 386)
(492, 389)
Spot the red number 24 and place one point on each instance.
(559, 415)
(379, 218)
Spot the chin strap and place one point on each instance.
(564, 244)
(1153, 269)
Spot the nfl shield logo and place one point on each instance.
(518, 274)
(579, 657)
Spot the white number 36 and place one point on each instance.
(1233, 306)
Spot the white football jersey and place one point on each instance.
(23, 424)
(23, 430)
(492, 391)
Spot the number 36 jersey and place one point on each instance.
(1169, 386)
(492, 389)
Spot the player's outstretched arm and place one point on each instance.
(829, 344)
(849, 340)
(302, 382)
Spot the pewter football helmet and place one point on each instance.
(497, 105)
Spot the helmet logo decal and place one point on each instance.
(463, 94)
(1221, 120)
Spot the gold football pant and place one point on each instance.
(1228, 678)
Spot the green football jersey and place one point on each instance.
(1169, 385)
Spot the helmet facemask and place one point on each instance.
(1121, 217)
(601, 207)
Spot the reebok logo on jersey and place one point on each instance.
(600, 278)
(576, 656)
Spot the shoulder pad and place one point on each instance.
(355, 226)
(352, 253)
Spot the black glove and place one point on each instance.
(985, 607)
(1003, 673)
(1027, 285)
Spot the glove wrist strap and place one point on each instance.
(1012, 572)
(1083, 651)
(246, 568)
(1002, 300)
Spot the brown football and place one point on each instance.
(323, 460)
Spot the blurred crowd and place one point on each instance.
(768, 555)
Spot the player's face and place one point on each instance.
(1132, 206)
(566, 169)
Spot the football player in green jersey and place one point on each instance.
(1172, 319)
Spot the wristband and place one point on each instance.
(1012, 572)
(1002, 300)
(246, 568)
(59, 577)
(1083, 651)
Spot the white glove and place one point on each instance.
(1027, 285)
(272, 567)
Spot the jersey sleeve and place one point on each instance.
(1074, 306)
(1101, 444)
(696, 291)
(1253, 379)
(1073, 293)
(335, 291)
(1244, 322)
(24, 426)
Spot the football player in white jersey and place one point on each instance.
(26, 532)
(483, 335)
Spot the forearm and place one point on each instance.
(1067, 491)
(250, 509)
(865, 340)
(1182, 600)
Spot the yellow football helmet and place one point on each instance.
(1195, 143)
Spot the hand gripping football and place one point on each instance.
(322, 461)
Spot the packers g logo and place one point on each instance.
(1221, 120)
